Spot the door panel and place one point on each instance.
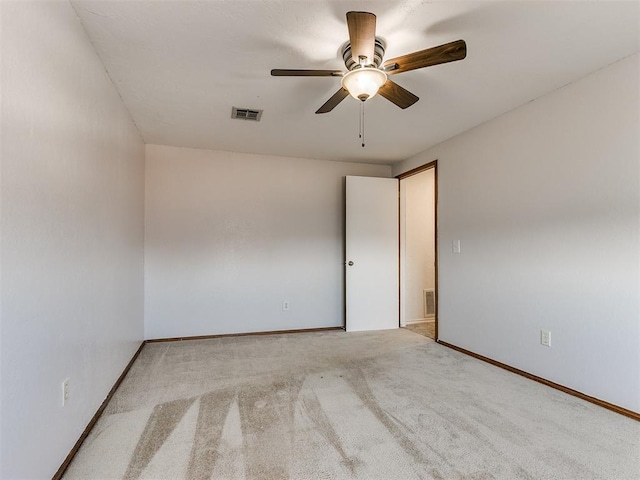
(371, 253)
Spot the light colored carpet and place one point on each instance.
(334, 405)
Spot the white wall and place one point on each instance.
(72, 235)
(545, 200)
(418, 241)
(231, 236)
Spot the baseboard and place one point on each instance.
(58, 475)
(246, 334)
(424, 320)
(549, 383)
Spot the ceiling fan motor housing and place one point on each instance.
(378, 55)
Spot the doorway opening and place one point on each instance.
(418, 250)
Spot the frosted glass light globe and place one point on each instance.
(363, 83)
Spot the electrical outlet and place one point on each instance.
(545, 338)
(285, 306)
(65, 391)
(455, 246)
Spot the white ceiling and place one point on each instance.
(181, 65)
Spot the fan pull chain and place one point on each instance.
(362, 122)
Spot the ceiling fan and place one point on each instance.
(363, 58)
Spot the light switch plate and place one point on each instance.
(545, 338)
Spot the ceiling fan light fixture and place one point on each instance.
(363, 83)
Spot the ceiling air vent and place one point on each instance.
(246, 114)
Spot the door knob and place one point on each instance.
(350, 263)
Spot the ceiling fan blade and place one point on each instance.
(449, 52)
(333, 101)
(398, 95)
(279, 72)
(362, 35)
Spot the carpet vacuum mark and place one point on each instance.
(332, 405)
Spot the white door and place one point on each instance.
(371, 264)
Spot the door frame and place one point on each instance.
(427, 166)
